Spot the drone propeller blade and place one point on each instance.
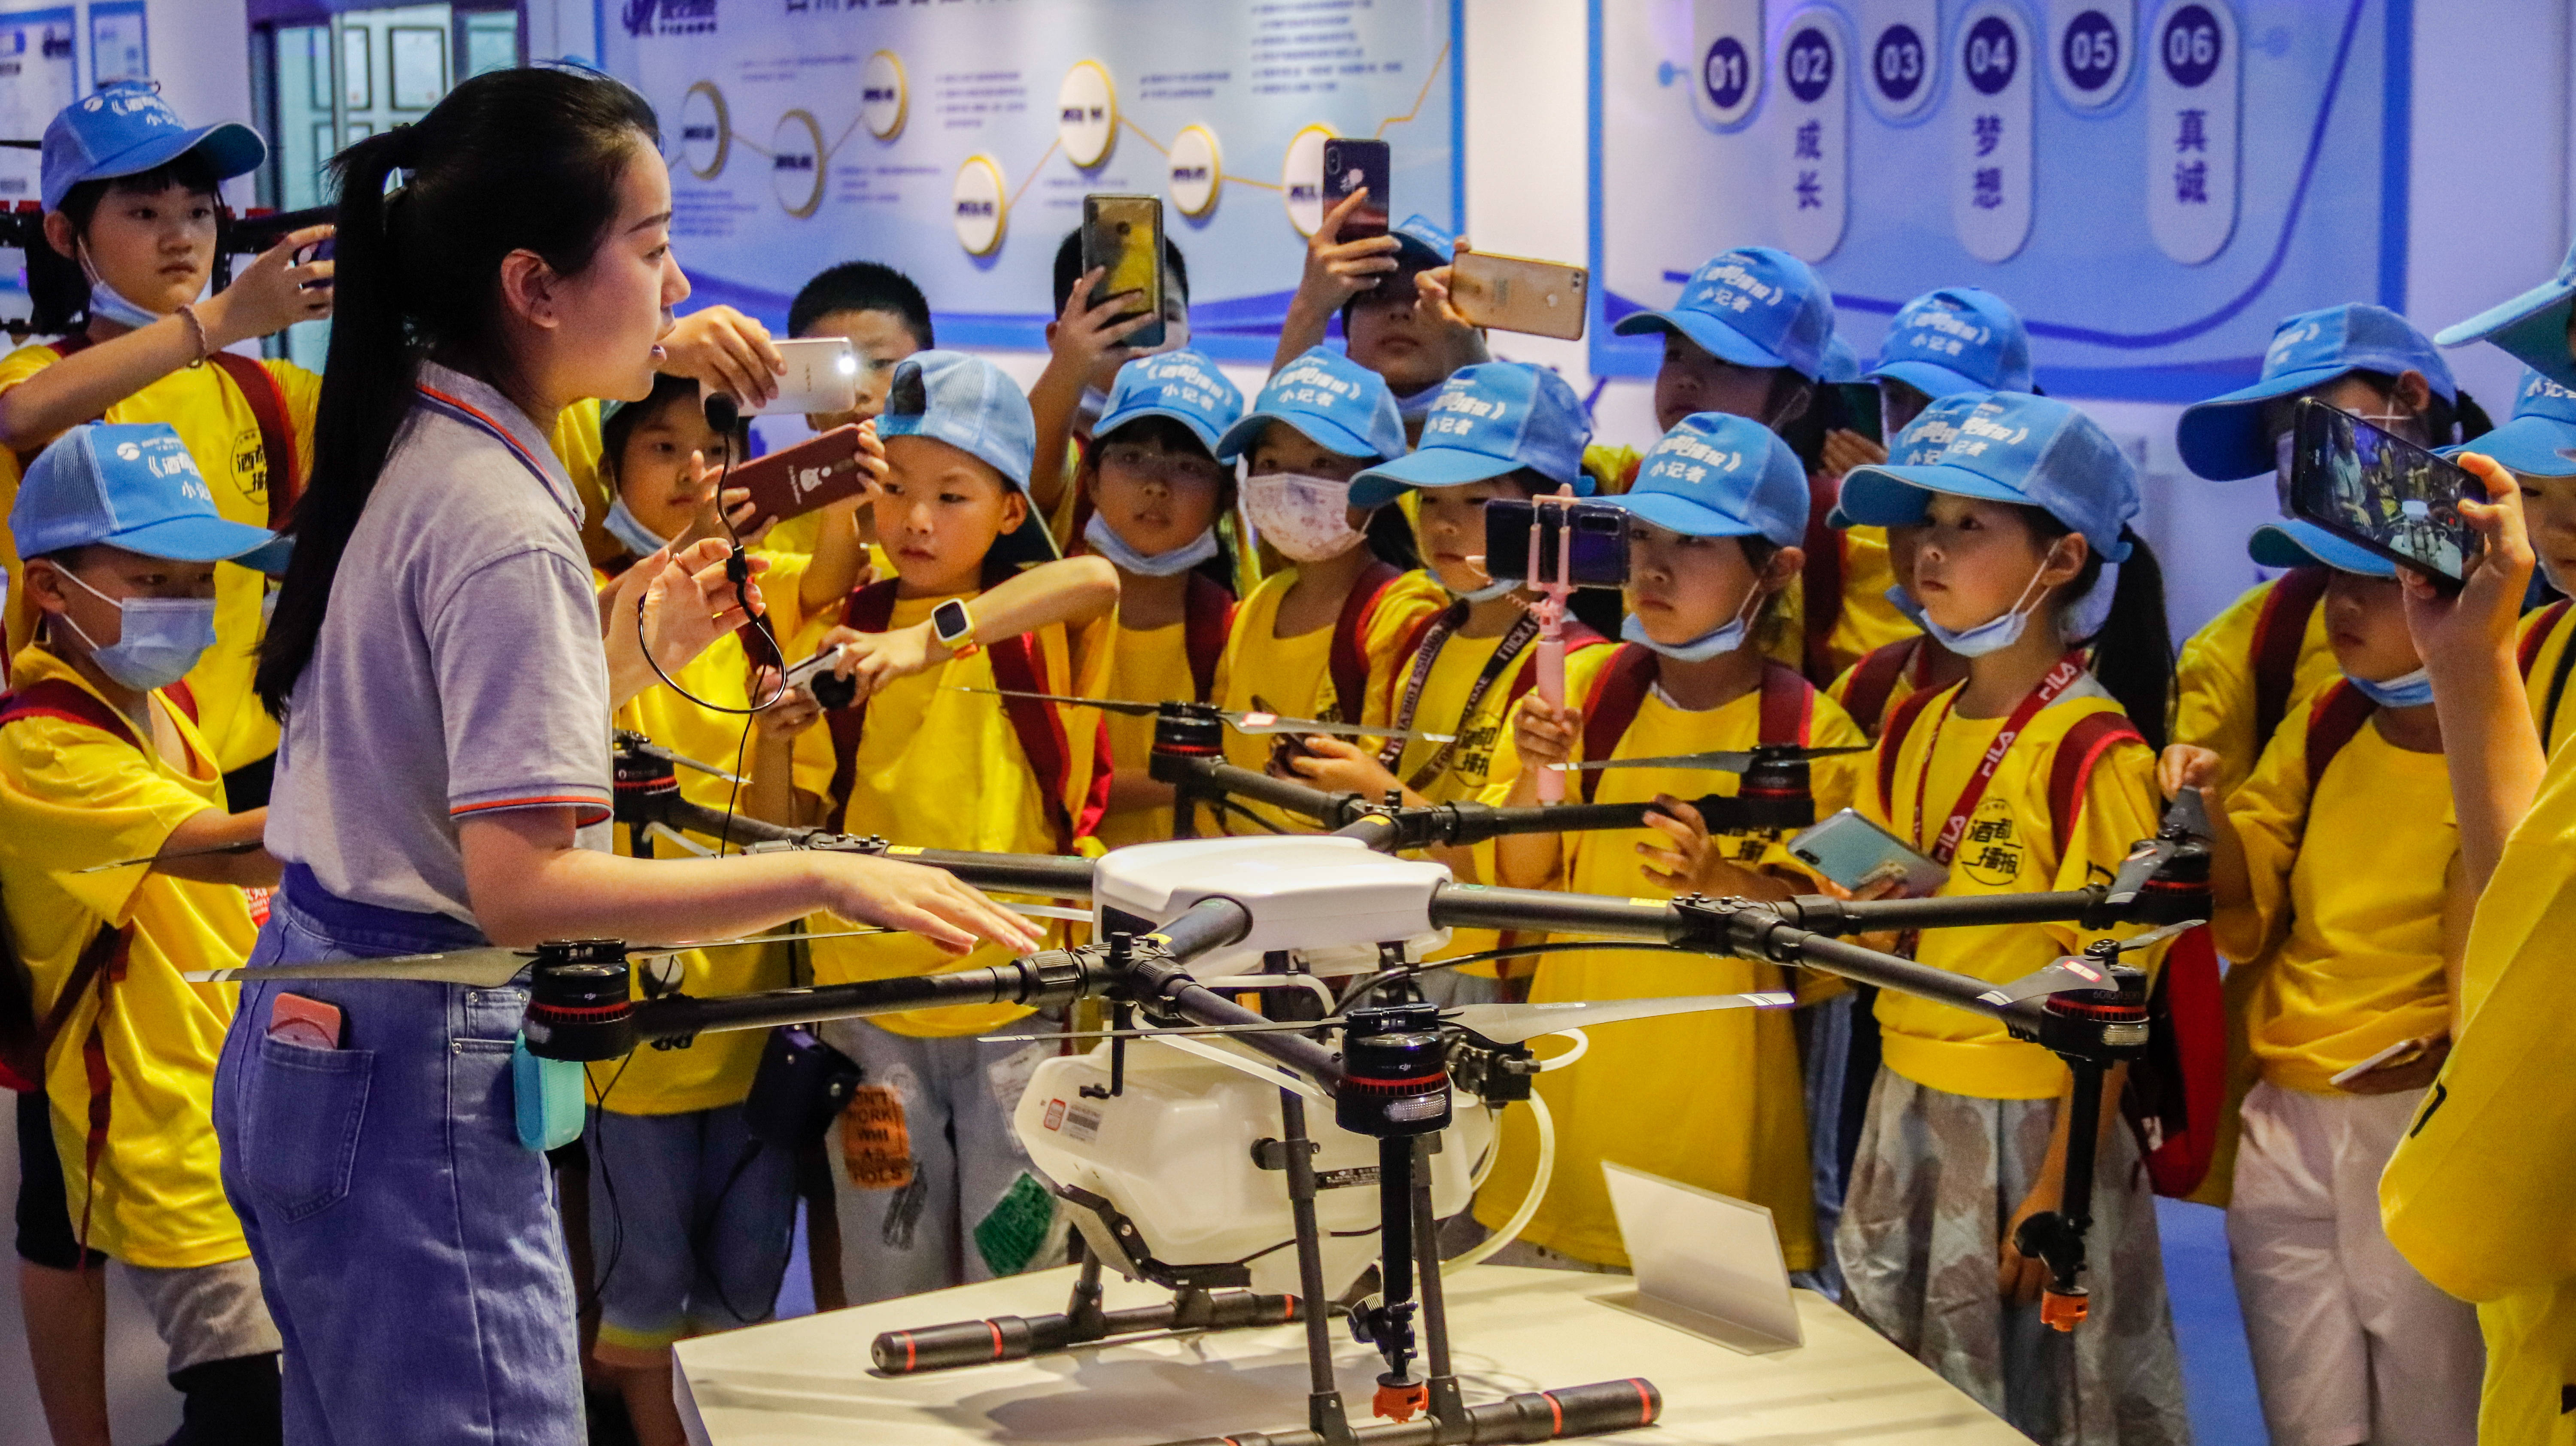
(2153, 937)
(1269, 1072)
(709, 769)
(2066, 976)
(480, 968)
(237, 846)
(2190, 808)
(1513, 1023)
(1122, 706)
(1263, 724)
(1718, 762)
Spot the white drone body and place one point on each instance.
(1330, 901)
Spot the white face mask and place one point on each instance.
(622, 524)
(1307, 518)
(108, 304)
(1708, 645)
(1104, 539)
(1997, 633)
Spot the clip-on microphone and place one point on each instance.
(724, 418)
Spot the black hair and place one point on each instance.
(56, 286)
(668, 391)
(2446, 420)
(510, 160)
(1068, 267)
(2133, 654)
(862, 286)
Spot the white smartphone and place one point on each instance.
(822, 377)
(2402, 1049)
(1856, 853)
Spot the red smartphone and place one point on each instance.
(308, 1022)
(814, 473)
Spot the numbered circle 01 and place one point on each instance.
(1991, 55)
(976, 203)
(796, 163)
(1198, 171)
(706, 131)
(1086, 114)
(882, 97)
(2191, 46)
(1301, 178)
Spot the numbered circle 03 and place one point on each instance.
(882, 98)
(1809, 61)
(2191, 46)
(1990, 55)
(1896, 64)
(797, 164)
(2090, 51)
(976, 203)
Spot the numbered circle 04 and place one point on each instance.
(1809, 61)
(976, 202)
(2090, 51)
(1725, 73)
(1197, 171)
(882, 97)
(1991, 54)
(1086, 114)
(1896, 65)
(706, 131)
(2191, 46)
(796, 164)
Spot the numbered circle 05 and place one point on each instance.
(2090, 51)
(976, 203)
(1896, 64)
(1809, 61)
(796, 163)
(1991, 55)
(2191, 46)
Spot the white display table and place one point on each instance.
(1514, 1330)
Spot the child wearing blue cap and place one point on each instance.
(1391, 293)
(929, 647)
(2025, 556)
(1715, 521)
(1318, 638)
(101, 760)
(1152, 492)
(2348, 928)
(2539, 447)
(2256, 663)
(1894, 671)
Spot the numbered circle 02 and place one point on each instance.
(796, 163)
(1990, 54)
(1197, 171)
(882, 97)
(1301, 178)
(976, 203)
(1808, 61)
(1898, 66)
(2191, 46)
(706, 131)
(1086, 114)
(2091, 58)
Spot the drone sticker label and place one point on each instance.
(1080, 1122)
(1992, 851)
(876, 1143)
(1016, 1230)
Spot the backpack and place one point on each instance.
(2175, 1103)
(2280, 635)
(1349, 662)
(1874, 679)
(1619, 690)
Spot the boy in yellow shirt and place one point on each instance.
(928, 757)
(2539, 447)
(100, 761)
(2352, 929)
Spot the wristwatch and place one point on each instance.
(953, 626)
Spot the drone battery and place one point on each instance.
(545, 1098)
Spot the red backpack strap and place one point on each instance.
(182, 697)
(1207, 615)
(1618, 691)
(60, 698)
(1350, 663)
(276, 434)
(2338, 715)
(2280, 632)
(1891, 742)
(1821, 590)
(2536, 636)
(868, 610)
(1874, 679)
(1578, 639)
(1788, 704)
(2071, 773)
(1019, 668)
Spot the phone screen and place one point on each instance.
(1349, 165)
(1123, 235)
(1600, 553)
(2377, 489)
(1860, 409)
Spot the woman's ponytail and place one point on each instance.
(2133, 655)
(511, 160)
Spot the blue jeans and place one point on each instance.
(691, 1222)
(408, 1244)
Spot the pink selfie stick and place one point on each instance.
(1554, 590)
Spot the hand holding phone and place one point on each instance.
(1512, 293)
(1352, 166)
(1122, 237)
(2381, 492)
(1856, 854)
(822, 377)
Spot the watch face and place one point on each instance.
(949, 621)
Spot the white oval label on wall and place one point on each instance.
(1990, 180)
(977, 203)
(1197, 171)
(1726, 60)
(1086, 114)
(2193, 102)
(1811, 122)
(882, 99)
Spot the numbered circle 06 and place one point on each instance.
(2191, 46)
(796, 164)
(1809, 61)
(1897, 68)
(976, 204)
(1991, 55)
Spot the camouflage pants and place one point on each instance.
(1936, 1178)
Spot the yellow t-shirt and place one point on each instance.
(72, 796)
(1902, 689)
(2009, 847)
(716, 1068)
(2347, 909)
(1150, 665)
(2214, 685)
(940, 767)
(2544, 669)
(1710, 1099)
(1868, 621)
(2481, 1194)
(1293, 677)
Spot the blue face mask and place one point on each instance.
(1997, 633)
(1903, 601)
(626, 527)
(2412, 690)
(1104, 539)
(158, 640)
(106, 303)
(1702, 648)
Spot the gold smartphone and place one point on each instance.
(1514, 293)
(1124, 234)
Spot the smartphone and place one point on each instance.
(1856, 853)
(308, 1022)
(1861, 411)
(1123, 235)
(822, 377)
(813, 473)
(2403, 1051)
(1513, 293)
(1348, 166)
(829, 688)
(2381, 492)
(1600, 537)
